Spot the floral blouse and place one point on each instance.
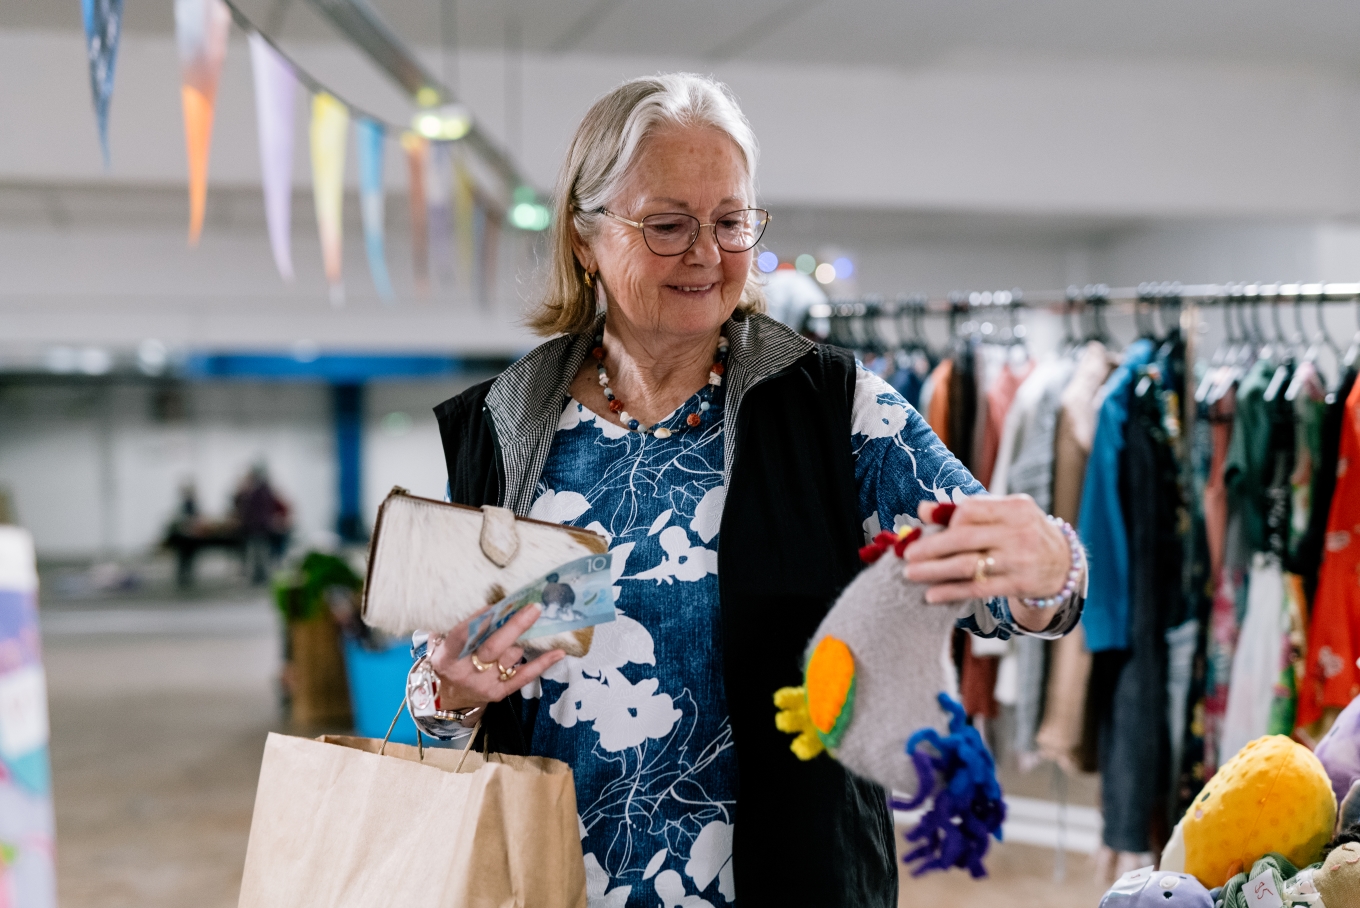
(642, 718)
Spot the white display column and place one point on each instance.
(27, 826)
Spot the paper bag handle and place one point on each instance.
(420, 739)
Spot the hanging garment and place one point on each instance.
(1220, 416)
(1181, 645)
(1134, 735)
(1249, 453)
(1225, 620)
(1025, 465)
(1257, 657)
(1310, 410)
(1187, 722)
(963, 404)
(1102, 525)
(1294, 652)
(1279, 465)
(1029, 437)
(1308, 551)
(937, 411)
(1331, 678)
(1061, 736)
(1000, 396)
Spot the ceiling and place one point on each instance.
(1316, 34)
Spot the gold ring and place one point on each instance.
(984, 566)
(478, 663)
(506, 673)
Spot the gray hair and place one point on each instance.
(600, 158)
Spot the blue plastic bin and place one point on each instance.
(377, 687)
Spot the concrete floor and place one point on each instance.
(158, 724)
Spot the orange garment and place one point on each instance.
(1000, 396)
(937, 414)
(1331, 679)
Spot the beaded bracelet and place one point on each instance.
(1073, 573)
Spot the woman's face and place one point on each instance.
(695, 171)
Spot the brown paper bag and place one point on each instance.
(339, 825)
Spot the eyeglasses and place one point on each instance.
(675, 233)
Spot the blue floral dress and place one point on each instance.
(642, 718)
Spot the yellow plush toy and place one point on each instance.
(1274, 796)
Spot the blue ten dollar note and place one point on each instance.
(577, 594)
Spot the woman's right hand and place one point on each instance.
(462, 684)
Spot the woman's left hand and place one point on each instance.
(993, 547)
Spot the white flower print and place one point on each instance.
(871, 527)
(577, 413)
(624, 714)
(683, 561)
(711, 856)
(708, 514)
(597, 881)
(559, 507)
(671, 887)
(872, 418)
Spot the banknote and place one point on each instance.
(577, 594)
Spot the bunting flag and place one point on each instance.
(201, 33)
(371, 137)
(465, 205)
(330, 128)
(416, 148)
(103, 21)
(275, 110)
(437, 177)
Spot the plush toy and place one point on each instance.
(875, 697)
(1272, 875)
(1339, 750)
(1147, 888)
(1338, 879)
(1274, 796)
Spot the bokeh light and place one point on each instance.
(825, 273)
(845, 269)
(805, 263)
(767, 262)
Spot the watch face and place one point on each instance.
(422, 690)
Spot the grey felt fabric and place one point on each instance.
(899, 643)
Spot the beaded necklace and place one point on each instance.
(715, 374)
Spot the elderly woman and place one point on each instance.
(735, 468)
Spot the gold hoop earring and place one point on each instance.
(588, 283)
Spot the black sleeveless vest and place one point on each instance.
(807, 833)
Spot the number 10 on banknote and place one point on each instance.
(575, 595)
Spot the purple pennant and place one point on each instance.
(103, 24)
(437, 188)
(276, 116)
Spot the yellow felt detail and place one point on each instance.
(793, 718)
(1273, 796)
(828, 677)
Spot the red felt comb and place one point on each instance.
(940, 516)
(898, 543)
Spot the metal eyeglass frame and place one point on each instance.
(641, 225)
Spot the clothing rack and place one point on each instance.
(1096, 294)
(882, 326)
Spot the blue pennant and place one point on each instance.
(103, 24)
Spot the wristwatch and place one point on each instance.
(422, 695)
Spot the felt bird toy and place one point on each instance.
(874, 697)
